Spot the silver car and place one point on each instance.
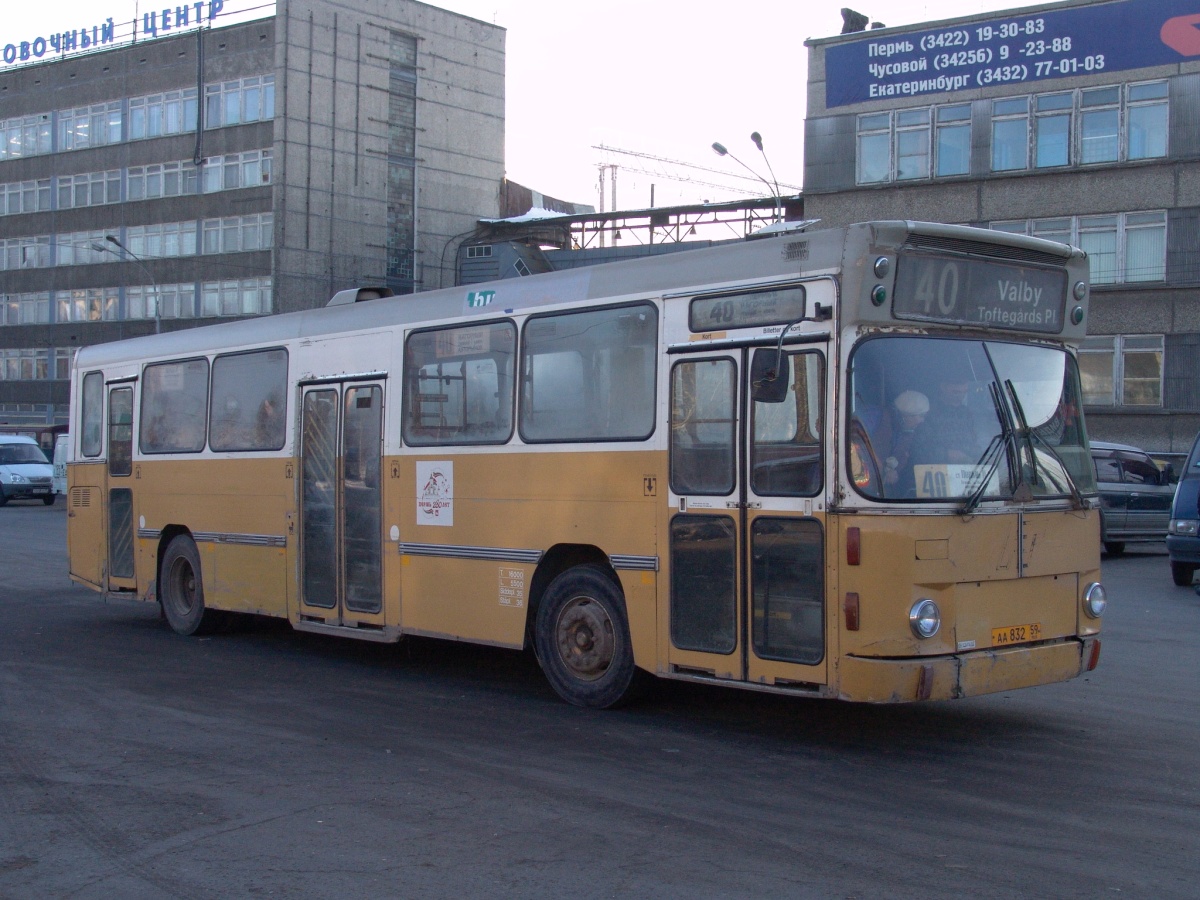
(1135, 495)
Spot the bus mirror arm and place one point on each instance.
(767, 368)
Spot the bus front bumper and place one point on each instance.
(962, 675)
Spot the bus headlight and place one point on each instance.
(925, 618)
(1095, 600)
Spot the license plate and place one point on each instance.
(1016, 634)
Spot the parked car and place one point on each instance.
(1183, 532)
(1135, 495)
(24, 470)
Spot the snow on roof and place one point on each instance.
(537, 214)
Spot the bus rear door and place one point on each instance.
(341, 504)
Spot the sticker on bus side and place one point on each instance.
(512, 587)
(435, 493)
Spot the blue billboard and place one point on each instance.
(1013, 49)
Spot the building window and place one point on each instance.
(237, 102)
(239, 234)
(25, 136)
(912, 144)
(155, 115)
(32, 252)
(164, 239)
(1052, 130)
(173, 179)
(89, 126)
(1082, 127)
(89, 305)
(1122, 370)
(24, 197)
(237, 170)
(874, 148)
(954, 140)
(32, 364)
(89, 189)
(164, 301)
(236, 297)
(1122, 248)
(1010, 134)
(1147, 117)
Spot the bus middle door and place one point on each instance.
(746, 544)
(341, 504)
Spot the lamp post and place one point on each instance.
(136, 260)
(773, 190)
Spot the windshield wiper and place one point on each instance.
(1030, 436)
(1005, 440)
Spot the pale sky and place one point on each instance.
(664, 78)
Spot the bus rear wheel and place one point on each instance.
(182, 589)
(582, 638)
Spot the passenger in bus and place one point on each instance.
(910, 408)
(948, 435)
(268, 426)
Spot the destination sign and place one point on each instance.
(972, 291)
(1013, 49)
(747, 310)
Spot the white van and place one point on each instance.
(24, 470)
(60, 463)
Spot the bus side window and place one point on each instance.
(249, 392)
(589, 376)
(459, 385)
(174, 407)
(92, 414)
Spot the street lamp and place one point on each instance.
(136, 260)
(721, 150)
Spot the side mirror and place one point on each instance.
(769, 374)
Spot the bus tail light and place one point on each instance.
(853, 546)
(850, 607)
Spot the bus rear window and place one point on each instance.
(92, 416)
(174, 403)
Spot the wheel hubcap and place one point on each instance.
(584, 635)
(183, 580)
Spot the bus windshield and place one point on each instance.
(965, 420)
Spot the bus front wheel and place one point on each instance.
(182, 589)
(582, 638)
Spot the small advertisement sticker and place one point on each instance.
(435, 493)
(512, 587)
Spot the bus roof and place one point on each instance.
(765, 261)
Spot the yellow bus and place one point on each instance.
(847, 463)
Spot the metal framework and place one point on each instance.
(662, 225)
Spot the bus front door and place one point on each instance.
(747, 596)
(341, 504)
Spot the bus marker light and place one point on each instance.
(1093, 658)
(850, 607)
(853, 546)
(1077, 315)
(925, 683)
(878, 294)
